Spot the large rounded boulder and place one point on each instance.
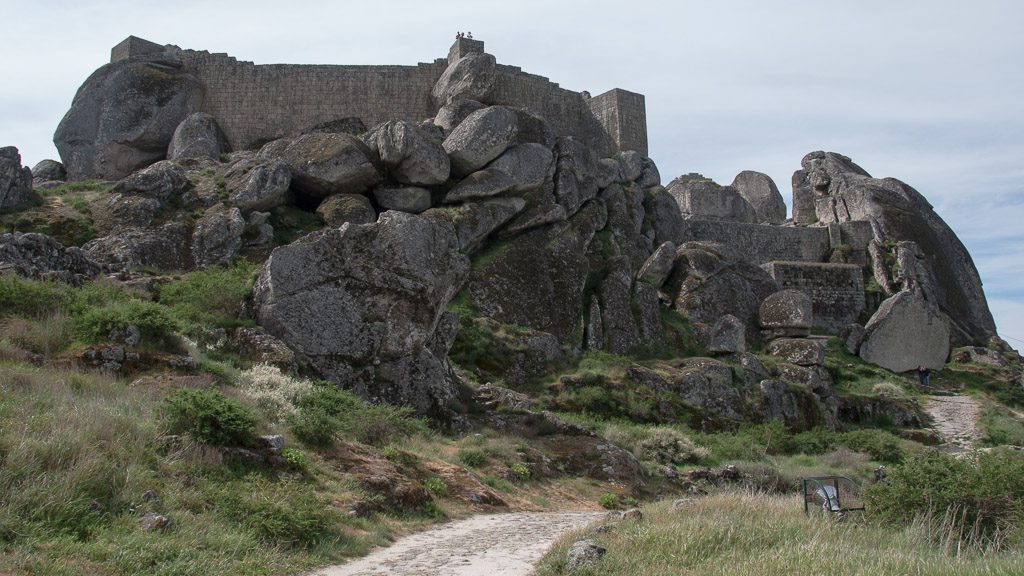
(123, 118)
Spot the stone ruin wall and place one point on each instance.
(762, 243)
(836, 290)
(256, 103)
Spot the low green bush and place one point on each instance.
(30, 298)
(435, 486)
(472, 457)
(327, 413)
(608, 500)
(210, 417)
(280, 513)
(980, 497)
(153, 321)
(209, 298)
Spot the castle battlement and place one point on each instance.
(256, 103)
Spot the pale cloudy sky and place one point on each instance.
(927, 91)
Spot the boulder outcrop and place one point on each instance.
(941, 269)
(198, 136)
(15, 180)
(124, 117)
(364, 306)
(700, 197)
(905, 333)
(763, 196)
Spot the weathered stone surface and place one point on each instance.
(795, 406)
(711, 280)
(217, 236)
(583, 554)
(480, 184)
(41, 257)
(576, 174)
(699, 197)
(164, 248)
(649, 174)
(943, 270)
(787, 312)
(663, 221)
(468, 78)
(198, 136)
(325, 164)
(451, 115)
(263, 188)
(799, 351)
(480, 138)
(162, 181)
(621, 333)
(537, 279)
(341, 208)
(656, 269)
(706, 385)
(594, 328)
(121, 211)
(49, 171)
(410, 199)
(255, 345)
(763, 196)
(409, 155)
(475, 221)
(905, 333)
(728, 335)
(362, 305)
(348, 125)
(529, 165)
(631, 165)
(15, 180)
(123, 118)
(852, 335)
(869, 410)
(533, 129)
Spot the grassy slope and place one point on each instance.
(755, 534)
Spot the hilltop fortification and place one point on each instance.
(124, 116)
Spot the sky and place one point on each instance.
(929, 92)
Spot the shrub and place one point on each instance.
(666, 446)
(881, 445)
(608, 500)
(210, 417)
(326, 413)
(153, 321)
(212, 297)
(435, 486)
(273, 393)
(295, 459)
(472, 458)
(30, 298)
(984, 494)
(520, 471)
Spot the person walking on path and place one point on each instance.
(923, 375)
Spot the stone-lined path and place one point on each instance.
(955, 420)
(490, 545)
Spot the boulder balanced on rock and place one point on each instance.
(905, 333)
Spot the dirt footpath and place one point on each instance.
(490, 545)
(955, 420)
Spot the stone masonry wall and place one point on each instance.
(254, 104)
(836, 290)
(761, 243)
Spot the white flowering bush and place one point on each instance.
(273, 392)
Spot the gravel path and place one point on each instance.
(490, 545)
(955, 420)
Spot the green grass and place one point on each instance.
(211, 298)
(744, 533)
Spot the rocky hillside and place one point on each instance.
(480, 235)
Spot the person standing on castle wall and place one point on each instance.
(923, 375)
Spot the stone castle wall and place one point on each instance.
(836, 290)
(761, 243)
(256, 103)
